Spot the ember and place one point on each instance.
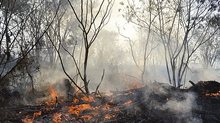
(213, 94)
(109, 61)
(75, 100)
(27, 119)
(88, 99)
(86, 117)
(37, 114)
(76, 110)
(128, 103)
(124, 106)
(57, 118)
(108, 116)
(105, 107)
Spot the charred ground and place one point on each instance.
(146, 104)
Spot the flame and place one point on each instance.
(213, 94)
(106, 107)
(128, 103)
(86, 117)
(75, 110)
(72, 110)
(75, 100)
(53, 93)
(88, 99)
(27, 119)
(81, 107)
(57, 118)
(108, 116)
(36, 114)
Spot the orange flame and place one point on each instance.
(106, 107)
(75, 100)
(37, 114)
(75, 110)
(108, 116)
(128, 103)
(57, 118)
(53, 93)
(86, 117)
(88, 99)
(83, 107)
(27, 119)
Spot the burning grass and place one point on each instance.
(30, 119)
(82, 108)
(122, 106)
(57, 118)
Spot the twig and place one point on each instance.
(103, 74)
(191, 82)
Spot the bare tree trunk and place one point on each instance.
(86, 82)
(91, 22)
(8, 40)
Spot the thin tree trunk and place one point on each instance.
(8, 40)
(86, 84)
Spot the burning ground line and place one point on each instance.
(125, 106)
(85, 108)
(213, 94)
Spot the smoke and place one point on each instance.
(112, 53)
(183, 108)
(199, 73)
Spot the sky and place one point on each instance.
(117, 20)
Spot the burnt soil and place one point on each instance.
(140, 105)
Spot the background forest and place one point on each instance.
(107, 44)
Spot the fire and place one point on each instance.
(72, 110)
(106, 107)
(86, 117)
(29, 119)
(75, 110)
(79, 111)
(128, 103)
(81, 107)
(53, 93)
(75, 100)
(88, 99)
(36, 114)
(213, 94)
(57, 118)
(108, 116)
